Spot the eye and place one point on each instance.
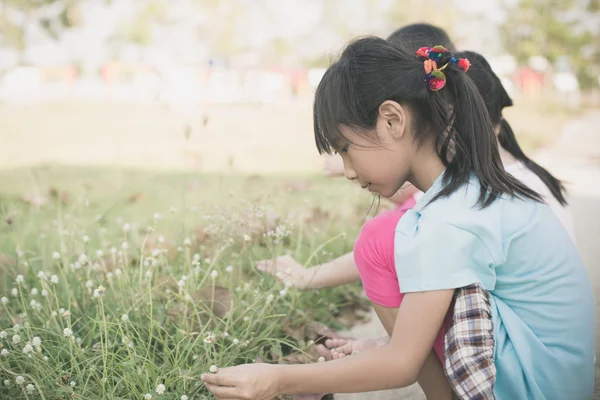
(344, 150)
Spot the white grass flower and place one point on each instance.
(34, 292)
(247, 237)
(213, 369)
(321, 359)
(124, 245)
(27, 349)
(36, 341)
(41, 275)
(20, 380)
(113, 250)
(68, 333)
(56, 255)
(4, 300)
(210, 339)
(183, 397)
(82, 259)
(16, 339)
(283, 292)
(229, 269)
(156, 216)
(72, 383)
(147, 396)
(85, 238)
(236, 341)
(160, 389)
(214, 274)
(99, 253)
(4, 352)
(66, 314)
(149, 274)
(20, 278)
(30, 388)
(14, 292)
(89, 284)
(270, 298)
(3, 334)
(161, 239)
(126, 228)
(45, 358)
(187, 242)
(54, 279)
(197, 257)
(181, 283)
(109, 275)
(54, 314)
(7, 382)
(118, 272)
(124, 317)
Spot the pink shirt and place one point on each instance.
(374, 258)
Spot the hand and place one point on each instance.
(341, 348)
(287, 270)
(245, 382)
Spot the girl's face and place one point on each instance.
(381, 161)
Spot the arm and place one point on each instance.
(396, 364)
(338, 272)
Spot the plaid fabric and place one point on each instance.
(469, 345)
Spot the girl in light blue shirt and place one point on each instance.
(399, 115)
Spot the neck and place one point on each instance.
(505, 156)
(429, 169)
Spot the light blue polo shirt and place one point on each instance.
(541, 297)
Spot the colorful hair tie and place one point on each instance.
(434, 76)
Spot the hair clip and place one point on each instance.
(434, 76)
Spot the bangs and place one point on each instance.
(334, 106)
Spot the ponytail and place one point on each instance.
(508, 141)
(469, 146)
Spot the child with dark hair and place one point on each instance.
(478, 235)
(514, 160)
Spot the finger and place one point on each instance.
(323, 351)
(264, 265)
(335, 343)
(224, 392)
(346, 349)
(219, 379)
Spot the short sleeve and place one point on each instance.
(434, 255)
(374, 258)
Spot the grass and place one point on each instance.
(118, 281)
(153, 273)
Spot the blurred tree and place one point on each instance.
(555, 29)
(222, 18)
(18, 16)
(151, 13)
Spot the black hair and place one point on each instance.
(371, 70)
(419, 35)
(497, 98)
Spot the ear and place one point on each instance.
(394, 117)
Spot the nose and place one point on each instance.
(349, 172)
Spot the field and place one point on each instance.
(127, 260)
